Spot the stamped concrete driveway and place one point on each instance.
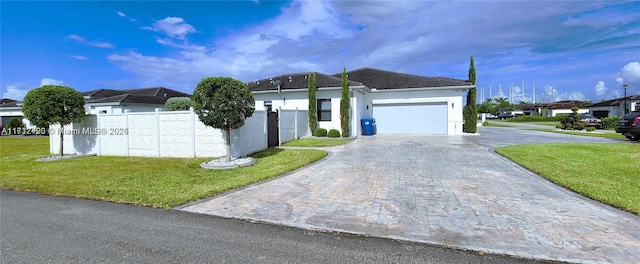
(446, 190)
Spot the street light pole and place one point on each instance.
(625, 98)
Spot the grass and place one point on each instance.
(316, 142)
(582, 133)
(156, 182)
(604, 172)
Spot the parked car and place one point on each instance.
(590, 120)
(629, 126)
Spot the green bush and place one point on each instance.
(485, 123)
(609, 122)
(590, 129)
(531, 118)
(321, 132)
(15, 125)
(333, 133)
(177, 104)
(559, 126)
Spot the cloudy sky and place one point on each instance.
(580, 50)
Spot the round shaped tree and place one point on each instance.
(53, 104)
(223, 103)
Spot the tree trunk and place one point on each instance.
(228, 145)
(61, 140)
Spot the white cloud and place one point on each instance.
(95, 43)
(630, 74)
(121, 14)
(78, 57)
(13, 92)
(174, 27)
(49, 81)
(601, 90)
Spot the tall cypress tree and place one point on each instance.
(313, 119)
(344, 104)
(471, 109)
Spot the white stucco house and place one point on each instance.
(564, 107)
(400, 103)
(10, 108)
(615, 107)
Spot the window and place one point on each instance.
(324, 110)
(268, 105)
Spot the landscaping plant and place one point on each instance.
(321, 132)
(15, 126)
(344, 104)
(177, 104)
(333, 133)
(470, 112)
(223, 103)
(53, 104)
(313, 119)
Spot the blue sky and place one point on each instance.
(581, 50)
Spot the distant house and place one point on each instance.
(10, 108)
(108, 101)
(564, 107)
(615, 107)
(400, 102)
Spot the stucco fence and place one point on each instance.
(171, 134)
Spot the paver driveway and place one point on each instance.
(444, 190)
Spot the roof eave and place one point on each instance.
(463, 88)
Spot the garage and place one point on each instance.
(422, 118)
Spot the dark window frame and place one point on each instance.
(320, 110)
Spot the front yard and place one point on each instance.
(155, 182)
(604, 172)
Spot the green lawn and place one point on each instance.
(604, 172)
(155, 182)
(584, 133)
(316, 142)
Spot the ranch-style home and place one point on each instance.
(108, 101)
(399, 102)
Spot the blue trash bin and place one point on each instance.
(367, 126)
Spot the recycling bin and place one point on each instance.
(367, 126)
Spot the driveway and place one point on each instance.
(446, 190)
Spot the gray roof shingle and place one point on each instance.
(153, 95)
(298, 81)
(382, 79)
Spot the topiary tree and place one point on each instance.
(313, 119)
(572, 121)
(177, 104)
(223, 103)
(321, 132)
(344, 104)
(53, 104)
(471, 114)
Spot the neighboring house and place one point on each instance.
(107, 101)
(564, 107)
(400, 103)
(615, 107)
(10, 108)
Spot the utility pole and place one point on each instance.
(490, 92)
(545, 95)
(522, 90)
(533, 100)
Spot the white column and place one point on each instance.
(126, 126)
(279, 126)
(192, 115)
(295, 125)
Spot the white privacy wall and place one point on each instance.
(166, 134)
(293, 124)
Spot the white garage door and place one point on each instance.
(411, 118)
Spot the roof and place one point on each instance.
(615, 102)
(383, 80)
(6, 102)
(153, 95)
(298, 81)
(568, 104)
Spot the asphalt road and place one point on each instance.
(38, 228)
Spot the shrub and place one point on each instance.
(14, 126)
(321, 132)
(590, 129)
(177, 104)
(485, 123)
(559, 126)
(333, 133)
(609, 122)
(531, 118)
